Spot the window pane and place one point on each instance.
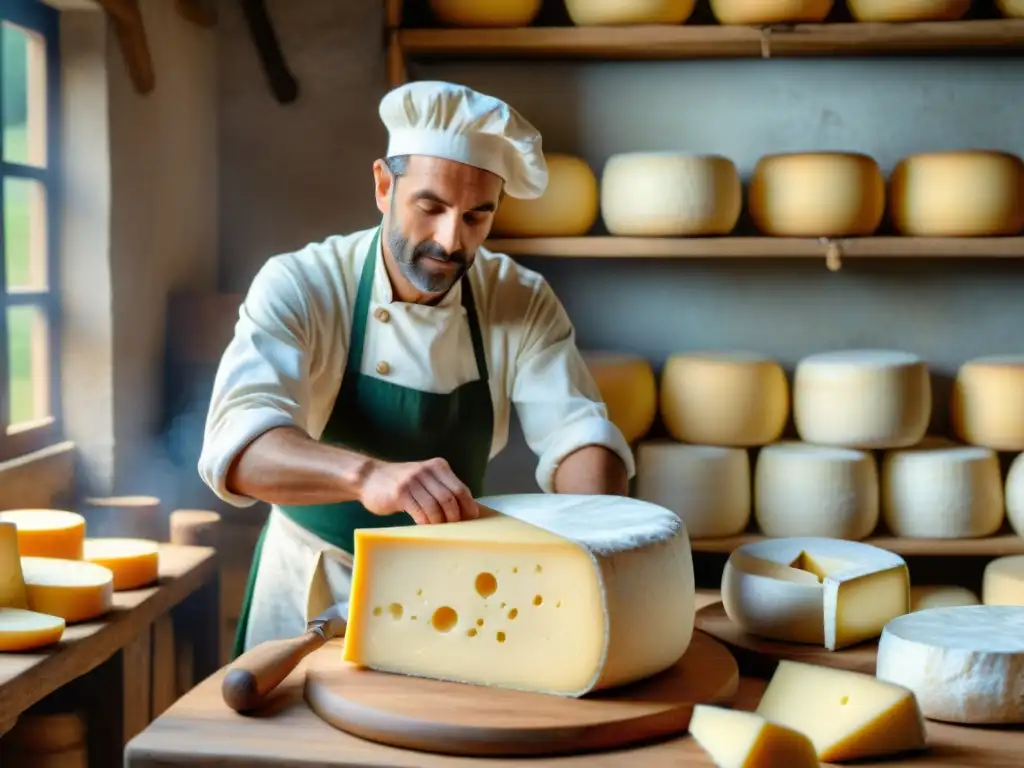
(28, 353)
(24, 95)
(25, 234)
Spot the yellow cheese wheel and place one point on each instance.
(48, 532)
(492, 13)
(629, 390)
(770, 11)
(907, 10)
(1013, 9)
(665, 194)
(134, 562)
(593, 13)
(74, 590)
(975, 193)
(987, 404)
(567, 208)
(820, 194)
(22, 630)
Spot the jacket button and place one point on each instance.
(383, 368)
(382, 314)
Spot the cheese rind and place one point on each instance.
(74, 590)
(986, 406)
(1002, 582)
(12, 580)
(754, 12)
(629, 390)
(568, 207)
(925, 597)
(494, 13)
(48, 532)
(22, 630)
(135, 563)
(965, 664)
(1014, 495)
(1012, 9)
(546, 592)
(907, 10)
(586, 13)
(737, 739)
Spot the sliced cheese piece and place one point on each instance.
(48, 532)
(907, 10)
(756, 12)
(74, 590)
(846, 715)
(814, 590)
(134, 562)
(707, 486)
(938, 596)
(592, 13)
(1003, 581)
(987, 405)
(22, 630)
(568, 207)
(965, 664)
(1014, 495)
(552, 593)
(12, 580)
(629, 390)
(814, 490)
(1013, 9)
(863, 398)
(736, 739)
(724, 398)
(493, 13)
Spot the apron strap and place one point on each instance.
(474, 328)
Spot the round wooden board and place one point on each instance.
(713, 620)
(459, 719)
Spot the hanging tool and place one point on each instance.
(282, 82)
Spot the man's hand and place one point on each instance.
(428, 490)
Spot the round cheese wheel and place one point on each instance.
(770, 11)
(593, 13)
(670, 195)
(821, 194)
(73, 590)
(724, 398)
(493, 13)
(1013, 9)
(135, 563)
(47, 532)
(815, 490)
(629, 390)
(942, 493)
(568, 207)
(22, 630)
(1014, 495)
(907, 10)
(958, 194)
(707, 486)
(925, 598)
(987, 404)
(1002, 582)
(862, 399)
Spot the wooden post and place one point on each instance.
(395, 63)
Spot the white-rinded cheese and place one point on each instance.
(1003, 581)
(724, 398)
(770, 11)
(22, 630)
(1013, 9)
(965, 664)
(48, 532)
(628, 388)
(907, 10)
(74, 590)
(958, 194)
(568, 207)
(737, 739)
(939, 596)
(942, 492)
(665, 194)
(134, 562)
(707, 486)
(822, 194)
(12, 581)
(862, 398)
(846, 715)
(987, 405)
(493, 13)
(814, 590)
(593, 13)
(553, 593)
(1014, 495)
(815, 490)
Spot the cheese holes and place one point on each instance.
(378, 611)
(845, 700)
(444, 619)
(537, 599)
(501, 637)
(396, 611)
(539, 569)
(486, 584)
(513, 613)
(471, 631)
(479, 622)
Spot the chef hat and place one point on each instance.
(454, 122)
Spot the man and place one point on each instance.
(370, 377)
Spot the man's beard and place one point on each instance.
(414, 262)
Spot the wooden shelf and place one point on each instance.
(992, 546)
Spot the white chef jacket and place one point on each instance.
(285, 363)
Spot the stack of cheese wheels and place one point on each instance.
(1003, 581)
(821, 194)
(815, 490)
(48, 532)
(862, 399)
(1014, 495)
(493, 13)
(21, 629)
(629, 389)
(907, 10)
(940, 596)
(567, 208)
(1013, 9)
(707, 486)
(987, 405)
(652, 194)
(814, 590)
(958, 194)
(753, 12)
(594, 13)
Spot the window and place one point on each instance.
(29, 227)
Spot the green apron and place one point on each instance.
(393, 423)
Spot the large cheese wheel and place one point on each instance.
(820, 194)
(134, 562)
(987, 405)
(567, 208)
(665, 194)
(493, 13)
(770, 11)
(22, 630)
(592, 13)
(1013, 9)
(862, 398)
(907, 10)
(923, 598)
(48, 532)
(724, 398)
(707, 486)
(1002, 582)
(958, 194)
(74, 590)
(1014, 495)
(815, 490)
(629, 390)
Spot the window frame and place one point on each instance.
(44, 20)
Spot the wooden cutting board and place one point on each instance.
(457, 719)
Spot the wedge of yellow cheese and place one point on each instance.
(48, 532)
(22, 630)
(735, 739)
(135, 563)
(12, 580)
(74, 590)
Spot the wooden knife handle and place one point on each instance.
(254, 674)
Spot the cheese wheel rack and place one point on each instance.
(988, 546)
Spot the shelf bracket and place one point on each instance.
(766, 42)
(833, 254)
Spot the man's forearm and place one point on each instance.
(592, 469)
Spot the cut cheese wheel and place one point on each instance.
(815, 490)
(958, 194)
(847, 715)
(1014, 495)
(707, 486)
(965, 664)
(74, 590)
(736, 739)
(814, 590)
(22, 630)
(924, 598)
(907, 10)
(48, 532)
(592, 13)
(819, 194)
(552, 593)
(664, 194)
(629, 390)
(12, 580)
(724, 398)
(134, 562)
(567, 208)
(1003, 581)
(1013, 9)
(493, 13)
(862, 399)
(942, 493)
(987, 405)
(770, 11)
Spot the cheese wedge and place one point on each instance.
(74, 590)
(12, 580)
(22, 630)
(134, 562)
(551, 593)
(846, 715)
(48, 532)
(736, 739)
